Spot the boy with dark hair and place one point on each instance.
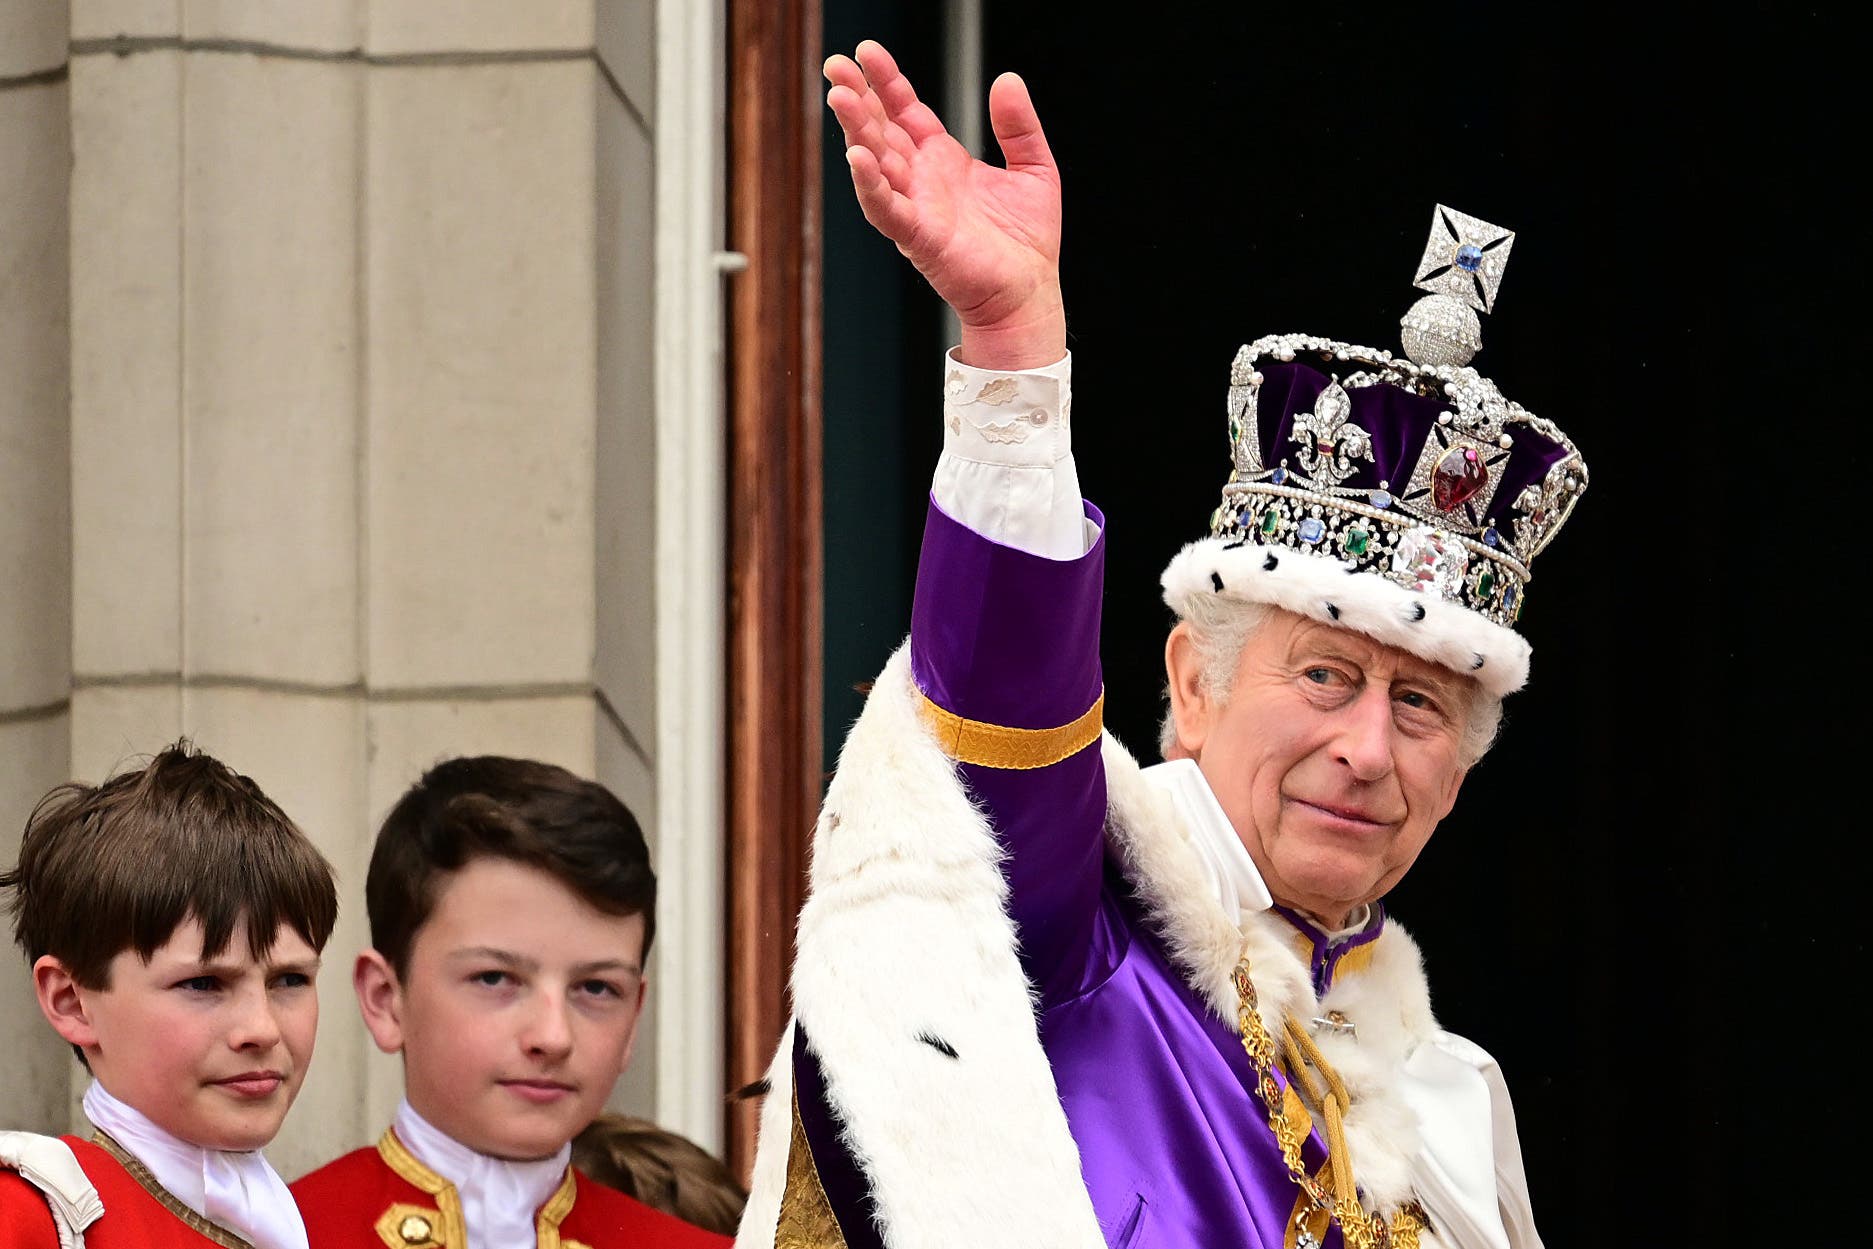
(174, 918)
(511, 905)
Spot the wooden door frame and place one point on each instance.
(774, 592)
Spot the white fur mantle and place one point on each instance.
(905, 934)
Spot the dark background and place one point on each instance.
(1643, 903)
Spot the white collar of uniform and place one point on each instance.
(500, 1198)
(237, 1189)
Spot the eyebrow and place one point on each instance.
(233, 971)
(521, 962)
(1448, 686)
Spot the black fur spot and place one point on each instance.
(1333, 611)
(1216, 579)
(1230, 546)
(1271, 563)
(1478, 663)
(938, 1044)
(1417, 612)
(751, 1090)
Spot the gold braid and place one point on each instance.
(1359, 1228)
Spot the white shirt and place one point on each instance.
(500, 1198)
(237, 1189)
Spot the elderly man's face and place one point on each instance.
(1334, 756)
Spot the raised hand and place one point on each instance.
(986, 239)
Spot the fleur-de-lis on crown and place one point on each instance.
(1329, 441)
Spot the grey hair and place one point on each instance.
(1220, 628)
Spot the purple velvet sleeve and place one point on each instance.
(1012, 639)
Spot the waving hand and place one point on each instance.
(986, 239)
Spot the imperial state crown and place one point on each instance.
(1402, 496)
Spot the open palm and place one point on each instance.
(986, 239)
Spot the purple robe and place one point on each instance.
(1174, 1147)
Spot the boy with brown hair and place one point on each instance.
(512, 905)
(174, 918)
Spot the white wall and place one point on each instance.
(363, 443)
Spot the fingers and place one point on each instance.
(901, 104)
(1017, 126)
(863, 128)
(889, 212)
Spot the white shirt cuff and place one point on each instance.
(1007, 466)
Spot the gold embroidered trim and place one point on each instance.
(806, 1217)
(169, 1201)
(398, 1158)
(1357, 959)
(1006, 749)
(554, 1212)
(404, 1226)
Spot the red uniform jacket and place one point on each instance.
(384, 1196)
(138, 1212)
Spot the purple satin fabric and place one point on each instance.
(1174, 1147)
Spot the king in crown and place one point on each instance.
(1046, 996)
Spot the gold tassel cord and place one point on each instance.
(1340, 1201)
(1303, 1053)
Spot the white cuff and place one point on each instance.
(1007, 467)
(1019, 418)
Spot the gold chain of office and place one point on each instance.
(1359, 1228)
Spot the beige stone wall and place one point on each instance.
(358, 464)
(35, 499)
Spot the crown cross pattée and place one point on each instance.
(1329, 441)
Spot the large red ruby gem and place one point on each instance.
(1456, 479)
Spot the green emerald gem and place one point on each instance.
(1215, 519)
(1271, 520)
(1235, 431)
(1356, 541)
(1485, 584)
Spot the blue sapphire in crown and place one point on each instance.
(1469, 258)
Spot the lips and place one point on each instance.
(1348, 815)
(540, 1092)
(253, 1085)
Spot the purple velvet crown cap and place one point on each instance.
(1399, 422)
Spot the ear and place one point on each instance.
(1192, 710)
(380, 1000)
(62, 1002)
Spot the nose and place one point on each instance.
(548, 1029)
(256, 1027)
(1365, 740)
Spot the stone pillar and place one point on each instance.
(362, 419)
(35, 547)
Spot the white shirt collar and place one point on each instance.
(499, 1198)
(239, 1190)
(1233, 877)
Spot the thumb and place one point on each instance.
(1017, 127)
